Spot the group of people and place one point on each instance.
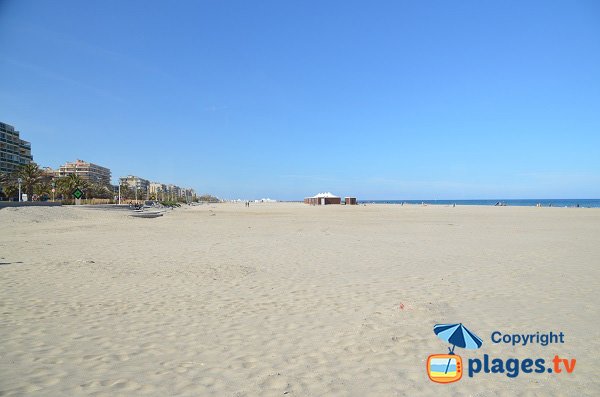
(247, 203)
(135, 206)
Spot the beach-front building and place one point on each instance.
(157, 190)
(189, 194)
(49, 172)
(174, 191)
(137, 184)
(14, 152)
(350, 200)
(87, 171)
(323, 199)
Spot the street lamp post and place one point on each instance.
(20, 181)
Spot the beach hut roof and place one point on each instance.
(325, 195)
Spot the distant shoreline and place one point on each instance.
(560, 203)
(582, 203)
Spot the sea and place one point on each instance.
(582, 203)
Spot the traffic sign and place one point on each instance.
(77, 193)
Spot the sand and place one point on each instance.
(287, 299)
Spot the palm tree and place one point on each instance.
(43, 188)
(126, 191)
(75, 181)
(67, 184)
(62, 188)
(98, 191)
(8, 185)
(4, 178)
(31, 175)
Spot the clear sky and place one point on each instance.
(284, 99)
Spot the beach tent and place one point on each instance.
(323, 199)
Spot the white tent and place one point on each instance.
(322, 199)
(325, 195)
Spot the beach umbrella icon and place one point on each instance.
(457, 335)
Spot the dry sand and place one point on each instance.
(288, 299)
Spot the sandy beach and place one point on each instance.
(289, 299)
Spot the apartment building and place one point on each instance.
(14, 152)
(174, 191)
(89, 172)
(157, 189)
(136, 183)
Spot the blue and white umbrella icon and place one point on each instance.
(457, 335)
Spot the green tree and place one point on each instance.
(8, 184)
(61, 186)
(95, 190)
(126, 192)
(67, 184)
(31, 175)
(43, 188)
(208, 197)
(4, 178)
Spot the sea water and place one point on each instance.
(585, 203)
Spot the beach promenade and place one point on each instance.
(288, 299)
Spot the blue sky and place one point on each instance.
(283, 99)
